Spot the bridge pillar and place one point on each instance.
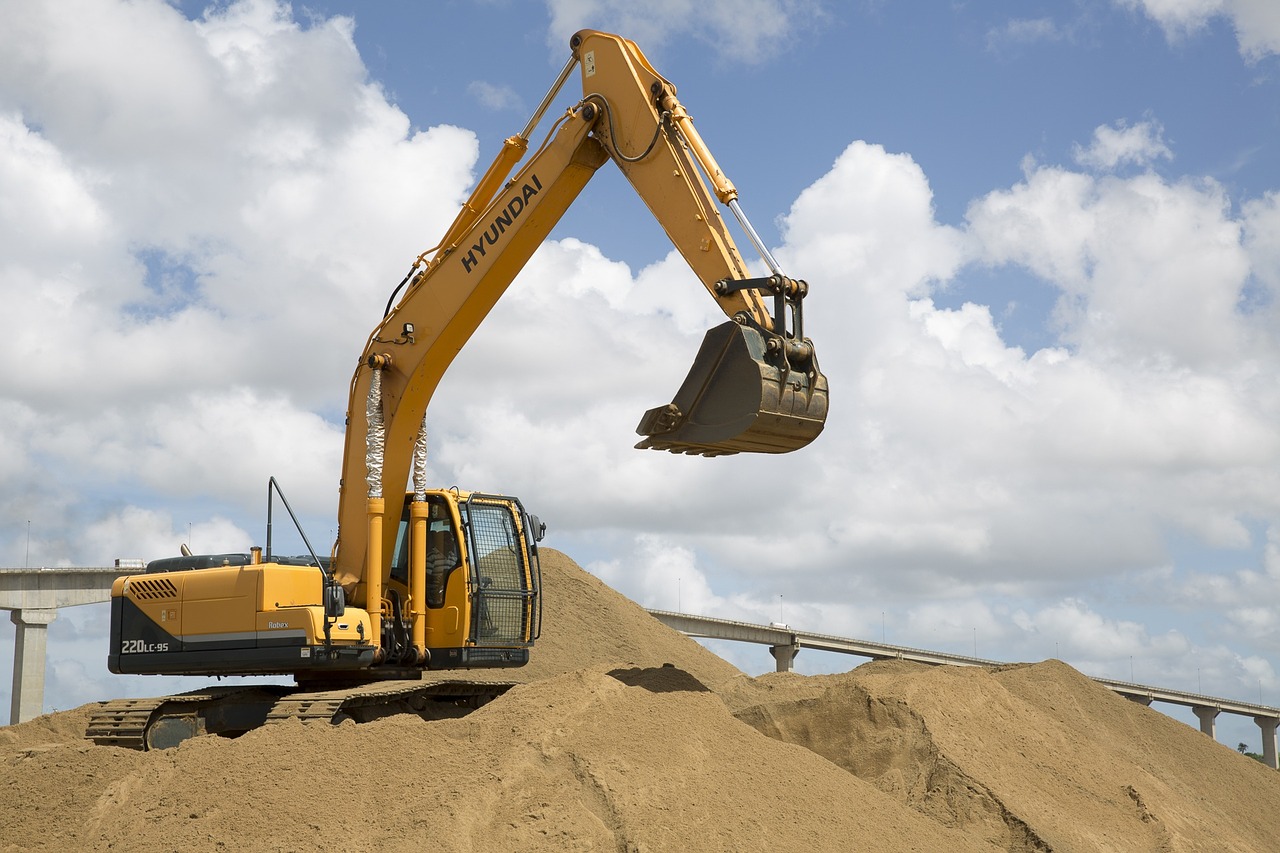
(1268, 726)
(28, 662)
(784, 655)
(1207, 717)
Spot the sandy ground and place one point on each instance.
(626, 736)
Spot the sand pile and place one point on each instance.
(604, 748)
(1030, 758)
(585, 622)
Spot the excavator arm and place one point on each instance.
(755, 385)
(443, 579)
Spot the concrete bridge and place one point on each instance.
(33, 597)
(785, 643)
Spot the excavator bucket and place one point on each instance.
(738, 399)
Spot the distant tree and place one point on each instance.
(1243, 748)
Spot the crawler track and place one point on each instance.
(165, 721)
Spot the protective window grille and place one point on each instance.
(502, 605)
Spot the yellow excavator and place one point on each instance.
(441, 581)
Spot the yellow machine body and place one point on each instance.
(476, 604)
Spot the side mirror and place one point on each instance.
(534, 530)
(335, 600)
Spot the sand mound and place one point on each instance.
(605, 748)
(1030, 758)
(586, 623)
(576, 762)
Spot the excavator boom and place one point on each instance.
(755, 385)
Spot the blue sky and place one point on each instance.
(1042, 245)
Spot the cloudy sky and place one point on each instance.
(1042, 239)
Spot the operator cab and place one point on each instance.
(444, 556)
(482, 578)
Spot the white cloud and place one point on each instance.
(741, 30)
(963, 450)
(168, 242)
(1256, 22)
(1140, 145)
(135, 533)
(1150, 270)
(44, 204)
(1023, 31)
(1262, 243)
(1246, 598)
(1178, 16)
(660, 573)
(1126, 650)
(495, 97)
(1088, 634)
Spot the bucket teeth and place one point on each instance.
(738, 399)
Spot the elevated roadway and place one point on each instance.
(33, 598)
(785, 643)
